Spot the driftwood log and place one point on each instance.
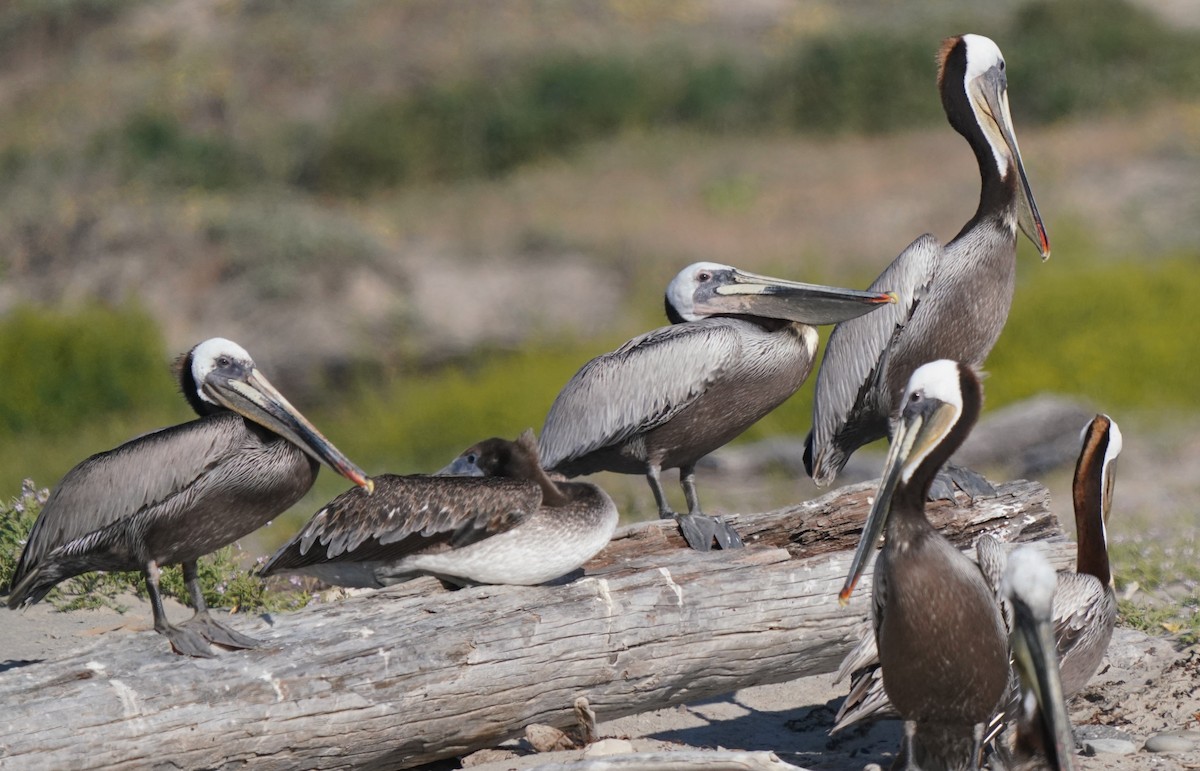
(416, 673)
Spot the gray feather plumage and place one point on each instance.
(638, 387)
(407, 514)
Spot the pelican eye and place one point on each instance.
(472, 458)
(224, 361)
(704, 275)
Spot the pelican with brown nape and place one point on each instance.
(953, 299)
(943, 646)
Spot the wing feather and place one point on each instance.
(636, 388)
(407, 514)
(158, 469)
(851, 406)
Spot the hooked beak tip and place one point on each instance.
(369, 485)
(889, 297)
(844, 595)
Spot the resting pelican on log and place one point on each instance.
(512, 526)
(176, 494)
(943, 646)
(740, 344)
(953, 299)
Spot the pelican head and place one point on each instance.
(712, 289)
(218, 374)
(974, 89)
(1043, 727)
(941, 403)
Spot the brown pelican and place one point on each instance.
(953, 300)
(1085, 605)
(1044, 738)
(739, 345)
(178, 493)
(515, 526)
(942, 642)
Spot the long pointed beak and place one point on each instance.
(755, 295)
(916, 434)
(994, 90)
(1034, 654)
(461, 467)
(255, 398)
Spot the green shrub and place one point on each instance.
(157, 146)
(64, 369)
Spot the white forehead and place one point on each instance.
(937, 380)
(205, 355)
(982, 55)
(1028, 575)
(682, 288)
(1114, 442)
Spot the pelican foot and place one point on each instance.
(953, 477)
(700, 531)
(207, 627)
(187, 642)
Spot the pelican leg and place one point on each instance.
(660, 497)
(185, 641)
(698, 529)
(203, 622)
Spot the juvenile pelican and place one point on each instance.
(953, 299)
(179, 493)
(514, 526)
(740, 344)
(941, 639)
(1044, 738)
(1085, 605)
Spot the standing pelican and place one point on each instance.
(1044, 738)
(953, 300)
(178, 493)
(942, 642)
(515, 526)
(1085, 605)
(740, 345)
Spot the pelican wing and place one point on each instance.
(150, 476)
(851, 404)
(636, 388)
(407, 514)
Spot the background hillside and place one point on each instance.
(422, 217)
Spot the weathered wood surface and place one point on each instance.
(416, 673)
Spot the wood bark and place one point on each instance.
(415, 673)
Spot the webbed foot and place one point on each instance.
(210, 629)
(700, 530)
(953, 477)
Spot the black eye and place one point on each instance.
(1002, 65)
(223, 361)
(472, 458)
(704, 275)
(916, 396)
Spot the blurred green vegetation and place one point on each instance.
(1069, 57)
(1104, 56)
(64, 370)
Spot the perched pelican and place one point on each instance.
(953, 300)
(515, 526)
(1044, 738)
(740, 344)
(942, 642)
(178, 493)
(1085, 605)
